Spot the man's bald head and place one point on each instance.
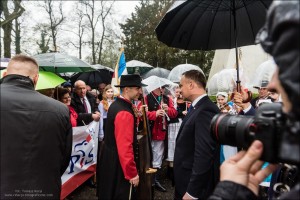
(23, 65)
(80, 88)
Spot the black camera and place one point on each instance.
(279, 134)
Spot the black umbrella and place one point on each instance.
(212, 24)
(160, 72)
(93, 78)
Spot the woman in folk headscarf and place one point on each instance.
(222, 99)
(226, 151)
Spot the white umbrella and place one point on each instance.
(155, 82)
(176, 72)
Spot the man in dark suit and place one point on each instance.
(84, 104)
(197, 154)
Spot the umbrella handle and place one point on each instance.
(238, 86)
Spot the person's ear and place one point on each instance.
(4, 73)
(191, 84)
(35, 79)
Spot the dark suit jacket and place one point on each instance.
(197, 154)
(250, 112)
(79, 108)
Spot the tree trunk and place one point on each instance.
(80, 48)
(7, 39)
(93, 46)
(101, 45)
(6, 23)
(18, 37)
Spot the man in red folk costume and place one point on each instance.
(118, 174)
(160, 110)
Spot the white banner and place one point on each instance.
(83, 158)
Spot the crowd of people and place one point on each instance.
(36, 131)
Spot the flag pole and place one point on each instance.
(116, 80)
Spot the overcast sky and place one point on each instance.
(122, 10)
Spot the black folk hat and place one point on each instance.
(263, 84)
(131, 80)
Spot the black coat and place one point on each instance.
(197, 154)
(79, 108)
(36, 141)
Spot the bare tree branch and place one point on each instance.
(18, 10)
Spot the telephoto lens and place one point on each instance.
(233, 130)
(268, 126)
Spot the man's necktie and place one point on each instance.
(84, 104)
(190, 108)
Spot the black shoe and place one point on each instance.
(159, 187)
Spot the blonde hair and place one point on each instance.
(104, 100)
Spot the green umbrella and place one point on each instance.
(46, 80)
(61, 63)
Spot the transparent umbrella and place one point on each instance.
(212, 85)
(176, 72)
(224, 81)
(157, 71)
(264, 71)
(155, 82)
(137, 67)
(102, 67)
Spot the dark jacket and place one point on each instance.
(79, 108)
(36, 141)
(250, 112)
(197, 154)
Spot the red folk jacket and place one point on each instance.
(157, 132)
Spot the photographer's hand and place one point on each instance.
(244, 168)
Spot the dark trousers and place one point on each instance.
(100, 147)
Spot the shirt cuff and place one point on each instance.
(191, 196)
